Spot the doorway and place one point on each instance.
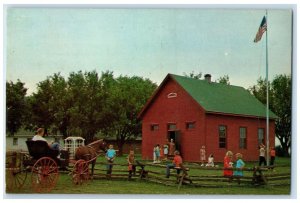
(175, 135)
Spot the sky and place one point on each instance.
(150, 43)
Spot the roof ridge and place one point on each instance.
(203, 80)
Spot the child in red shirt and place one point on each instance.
(228, 165)
(272, 154)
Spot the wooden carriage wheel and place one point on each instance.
(44, 175)
(80, 172)
(15, 178)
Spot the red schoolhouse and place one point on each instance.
(198, 113)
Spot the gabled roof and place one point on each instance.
(218, 98)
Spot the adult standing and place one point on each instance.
(171, 147)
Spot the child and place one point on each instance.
(228, 165)
(154, 155)
(262, 159)
(202, 155)
(239, 165)
(157, 153)
(110, 156)
(131, 165)
(161, 153)
(176, 163)
(272, 154)
(210, 162)
(166, 151)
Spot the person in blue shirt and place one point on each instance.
(110, 156)
(240, 164)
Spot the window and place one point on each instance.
(243, 137)
(171, 126)
(189, 125)
(15, 141)
(261, 136)
(154, 127)
(222, 136)
(172, 95)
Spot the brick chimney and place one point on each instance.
(207, 77)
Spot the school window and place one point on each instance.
(171, 126)
(154, 127)
(261, 136)
(243, 138)
(15, 141)
(222, 136)
(190, 125)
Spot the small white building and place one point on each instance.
(18, 141)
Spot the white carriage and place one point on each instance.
(72, 143)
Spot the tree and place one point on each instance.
(89, 94)
(280, 104)
(15, 106)
(128, 96)
(193, 75)
(87, 104)
(224, 80)
(41, 106)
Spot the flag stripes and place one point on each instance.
(262, 28)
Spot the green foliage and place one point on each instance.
(86, 104)
(280, 93)
(128, 96)
(223, 80)
(194, 75)
(15, 106)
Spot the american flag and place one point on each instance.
(262, 28)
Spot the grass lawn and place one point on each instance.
(138, 186)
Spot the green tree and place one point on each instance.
(15, 106)
(224, 80)
(128, 96)
(194, 75)
(280, 103)
(282, 106)
(88, 94)
(42, 113)
(87, 104)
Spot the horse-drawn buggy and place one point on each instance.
(45, 163)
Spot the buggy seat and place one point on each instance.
(38, 149)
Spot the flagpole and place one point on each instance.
(267, 79)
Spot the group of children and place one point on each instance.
(210, 160)
(231, 169)
(161, 153)
(110, 156)
(229, 165)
